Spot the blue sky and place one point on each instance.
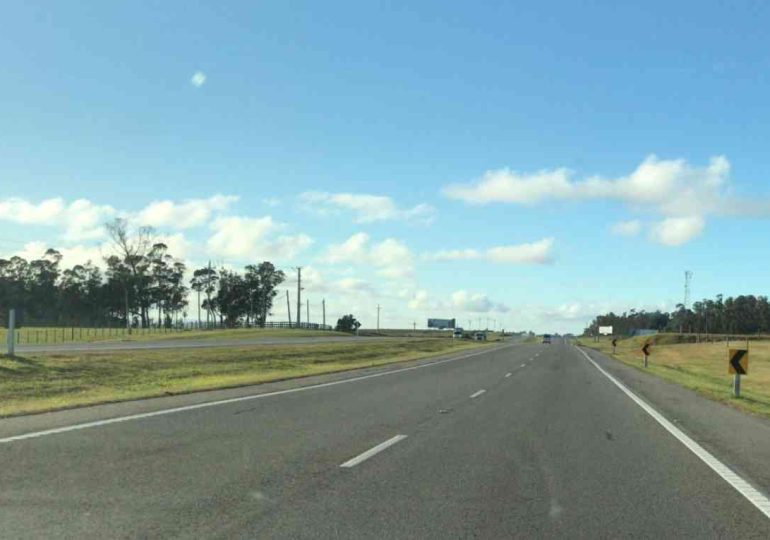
(531, 163)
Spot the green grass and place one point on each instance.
(698, 366)
(45, 336)
(43, 382)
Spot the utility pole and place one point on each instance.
(378, 317)
(299, 296)
(414, 326)
(323, 310)
(11, 337)
(307, 311)
(128, 321)
(288, 306)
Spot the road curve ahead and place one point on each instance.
(524, 441)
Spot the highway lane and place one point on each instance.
(552, 450)
(183, 343)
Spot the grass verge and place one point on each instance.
(44, 382)
(701, 367)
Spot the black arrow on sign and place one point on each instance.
(735, 361)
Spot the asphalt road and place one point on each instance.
(183, 343)
(523, 441)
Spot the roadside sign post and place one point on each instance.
(614, 344)
(646, 353)
(11, 331)
(737, 365)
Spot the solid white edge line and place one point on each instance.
(372, 451)
(477, 394)
(753, 495)
(118, 419)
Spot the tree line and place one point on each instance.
(744, 314)
(142, 285)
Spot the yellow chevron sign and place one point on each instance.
(737, 361)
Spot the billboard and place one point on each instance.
(605, 330)
(441, 324)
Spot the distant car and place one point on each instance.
(547, 338)
(480, 336)
(457, 333)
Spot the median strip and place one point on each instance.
(173, 410)
(360, 458)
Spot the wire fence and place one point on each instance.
(41, 335)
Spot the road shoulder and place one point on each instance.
(741, 440)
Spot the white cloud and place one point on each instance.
(366, 208)
(198, 79)
(313, 280)
(178, 246)
(185, 214)
(84, 220)
(627, 228)
(672, 186)
(538, 252)
(353, 250)
(420, 300)
(534, 253)
(354, 285)
(682, 194)
(341, 291)
(71, 256)
(254, 239)
(509, 186)
(459, 302)
(677, 231)
(19, 210)
(80, 219)
(271, 202)
(392, 258)
(476, 303)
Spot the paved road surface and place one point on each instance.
(183, 343)
(553, 450)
